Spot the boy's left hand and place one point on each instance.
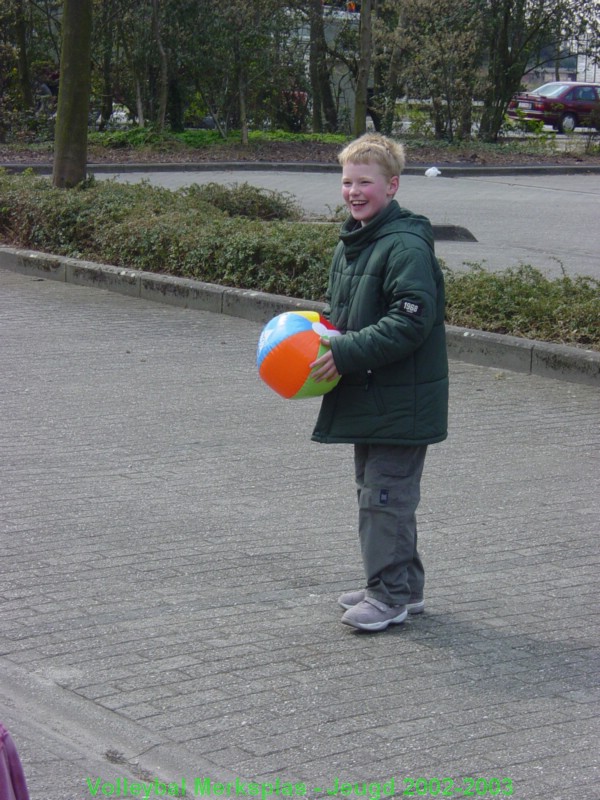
(324, 368)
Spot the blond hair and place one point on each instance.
(374, 147)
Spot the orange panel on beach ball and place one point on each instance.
(285, 370)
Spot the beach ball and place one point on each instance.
(288, 344)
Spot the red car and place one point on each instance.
(563, 104)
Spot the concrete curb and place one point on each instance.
(60, 717)
(475, 347)
(447, 170)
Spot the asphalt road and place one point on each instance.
(548, 221)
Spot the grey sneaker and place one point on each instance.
(415, 605)
(372, 615)
(350, 599)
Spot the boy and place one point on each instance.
(386, 295)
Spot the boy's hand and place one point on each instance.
(324, 368)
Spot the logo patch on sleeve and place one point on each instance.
(412, 308)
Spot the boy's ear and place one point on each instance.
(393, 185)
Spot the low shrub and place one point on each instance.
(273, 257)
(199, 138)
(200, 231)
(133, 138)
(523, 302)
(243, 200)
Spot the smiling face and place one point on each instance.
(367, 190)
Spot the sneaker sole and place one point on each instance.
(376, 626)
(412, 608)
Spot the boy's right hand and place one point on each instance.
(324, 368)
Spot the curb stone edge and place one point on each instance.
(500, 351)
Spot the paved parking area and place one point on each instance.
(173, 545)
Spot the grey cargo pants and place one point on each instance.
(388, 481)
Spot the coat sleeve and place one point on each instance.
(336, 256)
(408, 299)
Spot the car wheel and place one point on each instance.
(568, 123)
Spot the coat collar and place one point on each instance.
(356, 236)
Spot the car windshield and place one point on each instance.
(550, 89)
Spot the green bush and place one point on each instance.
(35, 214)
(523, 302)
(179, 233)
(521, 124)
(243, 200)
(200, 138)
(132, 138)
(221, 236)
(272, 257)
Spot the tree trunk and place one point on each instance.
(163, 88)
(107, 51)
(135, 76)
(364, 68)
(465, 121)
(317, 39)
(175, 108)
(243, 112)
(23, 63)
(392, 85)
(504, 71)
(70, 153)
(139, 103)
(322, 96)
(329, 108)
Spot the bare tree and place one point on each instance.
(442, 43)
(23, 62)
(164, 69)
(322, 96)
(364, 68)
(70, 152)
(517, 34)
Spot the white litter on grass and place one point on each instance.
(432, 172)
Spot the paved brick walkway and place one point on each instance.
(173, 545)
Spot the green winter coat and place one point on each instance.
(386, 294)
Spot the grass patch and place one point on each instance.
(133, 138)
(198, 139)
(252, 238)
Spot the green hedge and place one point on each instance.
(205, 232)
(523, 302)
(251, 238)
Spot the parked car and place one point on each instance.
(564, 105)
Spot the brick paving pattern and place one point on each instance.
(173, 545)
